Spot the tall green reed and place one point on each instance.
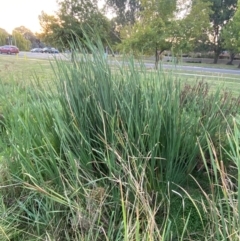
(221, 200)
(138, 114)
(103, 149)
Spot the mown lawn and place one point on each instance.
(12, 65)
(24, 68)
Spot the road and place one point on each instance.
(178, 67)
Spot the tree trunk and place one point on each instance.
(216, 56)
(230, 62)
(239, 66)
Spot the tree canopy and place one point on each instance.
(28, 34)
(126, 10)
(3, 36)
(146, 26)
(222, 12)
(20, 41)
(73, 19)
(231, 35)
(159, 27)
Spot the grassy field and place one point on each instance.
(24, 68)
(90, 151)
(205, 62)
(43, 67)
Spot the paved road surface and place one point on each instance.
(198, 69)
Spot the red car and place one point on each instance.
(9, 49)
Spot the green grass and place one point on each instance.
(95, 152)
(27, 69)
(24, 68)
(219, 65)
(210, 65)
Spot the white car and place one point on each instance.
(36, 50)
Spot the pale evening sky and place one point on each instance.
(15, 13)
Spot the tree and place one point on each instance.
(159, 27)
(187, 32)
(80, 16)
(28, 34)
(19, 40)
(3, 36)
(222, 12)
(126, 10)
(74, 19)
(114, 34)
(150, 30)
(231, 36)
(49, 24)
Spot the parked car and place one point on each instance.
(46, 50)
(54, 51)
(9, 49)
(36, 50)
(237, 56)
(224, 55)
(50, 50)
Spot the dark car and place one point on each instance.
(36, 50)
(50, 50)
(54, 51)
(224, 55)
(9, 49)
(46, 50)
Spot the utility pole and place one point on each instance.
(9, 40)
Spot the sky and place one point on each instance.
(16, 13)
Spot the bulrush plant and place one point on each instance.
(106, 154)
(137, 118)
(220, 201)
